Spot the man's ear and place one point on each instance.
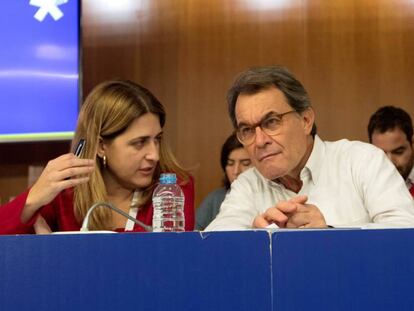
(101, 147)
(309, 119)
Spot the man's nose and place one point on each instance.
(395, 160)
(261, 138)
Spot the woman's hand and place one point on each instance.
(41, 226)
(61, 173)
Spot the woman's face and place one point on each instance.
(133, 156)
(237, 162)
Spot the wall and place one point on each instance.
(352, 56)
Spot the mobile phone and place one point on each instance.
(79, 147)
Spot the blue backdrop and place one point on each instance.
(39, 66)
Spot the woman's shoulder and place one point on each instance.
(185, 181)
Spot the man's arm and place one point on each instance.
(238, 210)
(385, 195)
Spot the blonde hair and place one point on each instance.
(106, 113)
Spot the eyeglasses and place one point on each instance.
(270, 124)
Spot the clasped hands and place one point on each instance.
(293, 213)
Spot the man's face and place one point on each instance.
(281, 154)
(397, 148)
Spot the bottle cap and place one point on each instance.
(168, 178)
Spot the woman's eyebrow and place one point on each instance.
(146, 136)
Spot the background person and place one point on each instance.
(298, 180)
(125, 153)
(391, 129)
(234, 160)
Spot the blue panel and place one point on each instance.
(39, 64)
(140, 271)
(343, 270)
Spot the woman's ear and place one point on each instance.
(101, 147)
(309, 119)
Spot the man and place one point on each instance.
(391, 129)
(299, 181)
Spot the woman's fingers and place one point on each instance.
(74, 171)
(69, 183)
(61, 173)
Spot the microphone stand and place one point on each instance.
(85, 222)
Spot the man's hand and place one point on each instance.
(294, 213)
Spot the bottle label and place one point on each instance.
(168, 212)
(165, 193)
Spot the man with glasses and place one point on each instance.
(300, 181)
(391, 129)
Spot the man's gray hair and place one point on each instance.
(257, 79)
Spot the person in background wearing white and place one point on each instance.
(391, 129)
(234, 160)
(298, 180)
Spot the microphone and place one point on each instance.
(85, 222)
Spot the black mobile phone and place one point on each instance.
(79, 147)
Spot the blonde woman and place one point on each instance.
(122, 123)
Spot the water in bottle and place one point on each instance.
(168, 202)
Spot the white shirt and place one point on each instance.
(352, 183)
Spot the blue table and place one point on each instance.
(251, 270)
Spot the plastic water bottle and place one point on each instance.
(168, 202)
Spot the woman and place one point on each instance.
(124, 155)
(234, 160)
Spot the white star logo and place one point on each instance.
(48, 7)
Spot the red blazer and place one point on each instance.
(59, 214)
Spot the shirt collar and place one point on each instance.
(314, 163)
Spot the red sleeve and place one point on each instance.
(10, 213)
(188, 190)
